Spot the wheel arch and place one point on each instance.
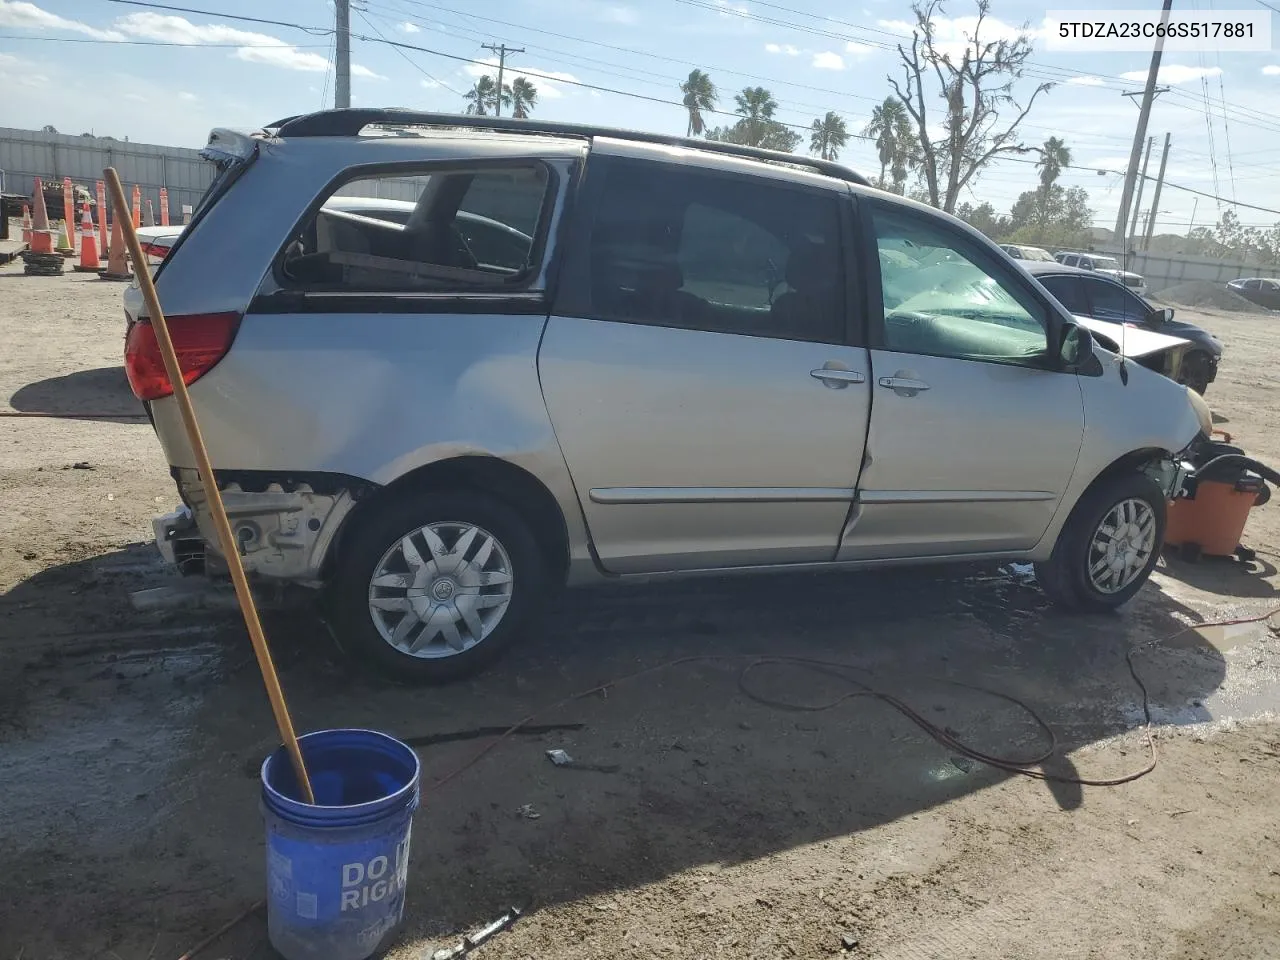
(500, 479)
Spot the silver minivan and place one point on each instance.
(538, 354)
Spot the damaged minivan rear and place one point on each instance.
(445, 365)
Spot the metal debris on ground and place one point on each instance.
(526, 810)
(473, 940)
(42, 264)
(559, 758)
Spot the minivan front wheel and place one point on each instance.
(1109, 546)
(434, 586)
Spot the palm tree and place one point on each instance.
(757, 106)
(1054, 156)
(699, 95)
(480, 97)
(828, 135)
(523, 98)
(896, 142)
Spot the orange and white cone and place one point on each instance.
(88, 244)
(117, 260)
(41, 235)
(102, 218)
(26, 224)
(137, 209)
(164, 207)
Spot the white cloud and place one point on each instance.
(1271, 70)
(826, 60)
(1087, 81)
(621, 15)
(859, 49)
(188, 97)
(27, 16)
(545, 82)
(786, 48)
(254, 47)
(1175, 73)
(429, 83)
(731, 9)
(408, 27)
(952, 34)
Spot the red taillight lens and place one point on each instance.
(200, 340)
(156, 250)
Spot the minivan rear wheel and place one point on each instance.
(434, 586)
(1109, 545)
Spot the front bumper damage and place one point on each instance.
(284, 526)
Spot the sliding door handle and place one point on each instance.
(906, 385)
(837, 378)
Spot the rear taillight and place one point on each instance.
(156, 250)
(200, 340)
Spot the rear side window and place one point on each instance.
(679, 247)
(1115, 302)
(1069, 292)
(451, 230)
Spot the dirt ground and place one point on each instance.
(130, 741)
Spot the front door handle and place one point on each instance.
(837, 378)
(904, 385)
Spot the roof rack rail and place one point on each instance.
(348, 123)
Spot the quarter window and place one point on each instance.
(676, 247)
(451, 230)
(945, 296)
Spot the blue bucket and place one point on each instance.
(336, 870)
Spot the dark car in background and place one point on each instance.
(1088, 293)
(1263, 291)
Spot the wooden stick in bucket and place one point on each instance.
(230, 549)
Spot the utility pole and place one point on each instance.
(501, 50)
(1140, 134)
(1155, 200)
(342, 54)
(1137, 202)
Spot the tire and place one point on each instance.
(513, 570)
(1065, 577)
(1196, 369)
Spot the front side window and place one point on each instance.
(945, 296)
(451, 230)
(680, 247)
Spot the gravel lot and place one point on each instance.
(130, 742)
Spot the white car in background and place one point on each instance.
(1020, 251)
(1102, 263)
(481, 234)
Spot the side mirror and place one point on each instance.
(1075, 349)
(1160, 317)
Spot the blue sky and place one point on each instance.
(240, 74)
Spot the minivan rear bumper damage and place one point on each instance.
(283, 523)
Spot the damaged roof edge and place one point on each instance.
(226, 144)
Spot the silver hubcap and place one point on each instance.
(1122, 545)
(440, 589)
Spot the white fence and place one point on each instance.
(1163, 270)
(27, 154)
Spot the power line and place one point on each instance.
(318, 31)
(172, 43)
(409, 60)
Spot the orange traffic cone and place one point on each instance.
(26, 224)
(41, 236)
(88, 245)
(117, 261)
(102, 218)
(164, 207)
(137, 209)
(67, 237)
